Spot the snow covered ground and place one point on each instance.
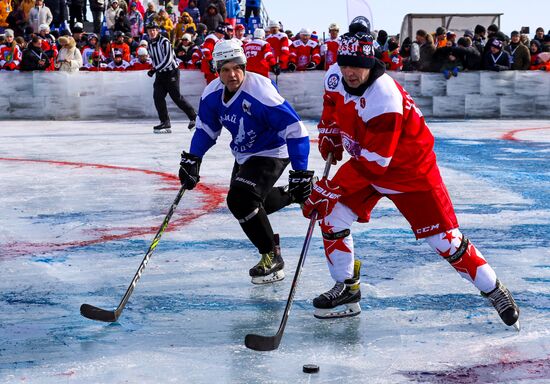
(81, 202)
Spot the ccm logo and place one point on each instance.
(427, 229)
(322, 192)
(188, 161)
(299, 180)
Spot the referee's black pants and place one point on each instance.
(169, 83)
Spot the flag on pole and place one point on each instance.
(359, 12)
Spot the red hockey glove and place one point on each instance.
(10, 66)
(330, 141)
(323, 198)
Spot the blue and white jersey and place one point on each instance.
(261, 122)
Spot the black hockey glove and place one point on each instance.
(300, 184)
(291, 67)
(211, 66)
(189, 170)
(151, 72)
(276, 69)
(311, 66)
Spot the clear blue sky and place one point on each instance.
(388, 14)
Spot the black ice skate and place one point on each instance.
(163, 127)
(270, 267)
(504, 303)
(342, 300)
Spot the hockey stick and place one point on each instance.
(270, 343)
(99, 314)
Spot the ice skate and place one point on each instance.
(342, 300)
(504, 303)
(270, 267)
(164, 127)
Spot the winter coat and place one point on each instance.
(38, 16)
(17, 22)
(31, 58)
(427, 51)
(233, 9)
(111, 15)
(520, 57)
(469, 56)
(222, 10)
(97, 5)
(69, 58)
(58, 8)
(212, 21)
(5, 9)
(194, 13)
(498, 62)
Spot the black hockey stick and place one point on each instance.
(99, 314)
(270, 343)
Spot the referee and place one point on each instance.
(167, 80)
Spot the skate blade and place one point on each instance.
(160, 131)
(275, 276)
(517, 326)
(346, 310)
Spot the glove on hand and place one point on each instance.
(311, 66)
(291, 67)
(323, 198)
(276, 69)
(151, 72)
(300, 185)
(189, 170)
(330, 141)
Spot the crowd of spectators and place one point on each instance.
(49, 35)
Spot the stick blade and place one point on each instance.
(95, 313)
(262, 343)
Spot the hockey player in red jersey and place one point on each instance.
(118, 64)
(374, 119)
(304, 53)
(207, 65)
(279, 44)
(259, 56)
(330, 47)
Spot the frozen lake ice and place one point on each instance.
(81, 201)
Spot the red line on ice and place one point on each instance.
(213, 197)
(510, 135)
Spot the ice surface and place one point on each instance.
(81, 201)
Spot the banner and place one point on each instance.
(359, 12)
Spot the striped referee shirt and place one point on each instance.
(162, 54)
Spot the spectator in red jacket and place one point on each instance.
(10, 53)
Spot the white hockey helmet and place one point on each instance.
(305, 31)
(228, 51)
(274, 24)
(259, 33)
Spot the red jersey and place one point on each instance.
(302, 54)
(207, 48)
(112, 66)
(393, 61)
(136, 65)
(259, 57)
(385, 133)
(329, 50)
(10, 58)
(279, 46)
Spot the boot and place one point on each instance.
(504, 303)
(270, 267)
(163, 127)
(342, 300)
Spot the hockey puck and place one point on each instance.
(310, 368)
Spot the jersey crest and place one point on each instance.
(333, 80)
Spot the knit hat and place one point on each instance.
(9, 33)
(78, 28)
(356, 50)
(187, 36)
(239, 27)
(143, 43)
(44, 27)
(479, 29)
(142, 51)
(468, 33)
(496, 43)
(392, 44)
(514, 33)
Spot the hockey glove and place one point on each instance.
(311, 66)
(291, 67)
(300, 185)
(189, 170)
(211, 66)
(151, 72)
(323, 198)
(276, 69)
(330, 141)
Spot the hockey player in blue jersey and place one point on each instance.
(267, 135)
